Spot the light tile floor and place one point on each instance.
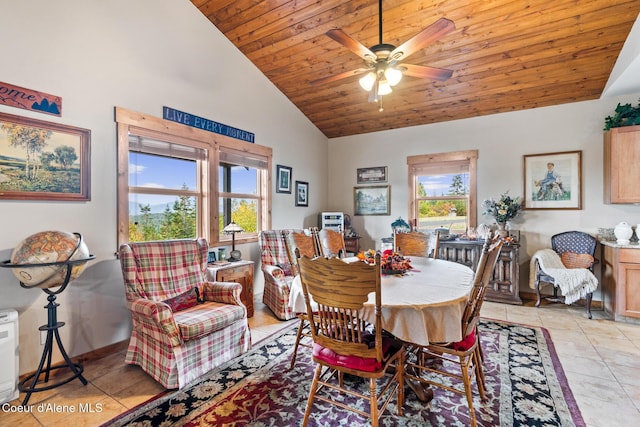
(601, 359)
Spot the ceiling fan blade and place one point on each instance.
(351, 44)
(338, 76)
(440, 28)
(432, 73)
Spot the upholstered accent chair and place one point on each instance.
(568, 265)
(183, 326)
(278, 271)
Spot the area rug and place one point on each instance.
(526, 386)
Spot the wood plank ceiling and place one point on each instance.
(505, 55)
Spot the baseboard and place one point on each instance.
(92, 355)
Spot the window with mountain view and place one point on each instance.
(172, 186)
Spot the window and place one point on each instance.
(442, 189)
(167, 187)
(240, 179)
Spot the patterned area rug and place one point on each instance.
(526, 386)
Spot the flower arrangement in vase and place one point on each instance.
(502, 210)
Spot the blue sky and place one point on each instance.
(161, 172)
(437, 185)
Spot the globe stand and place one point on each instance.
(29, 384)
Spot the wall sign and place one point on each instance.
(178, 116)
(27, 99)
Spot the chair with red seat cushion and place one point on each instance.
(466, 352)
(302, 243)
(343, 342)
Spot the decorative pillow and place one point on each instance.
(574, 260)
(185, 300)
(286, 268)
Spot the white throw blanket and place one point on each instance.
(575, 283)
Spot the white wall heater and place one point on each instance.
(8, 355)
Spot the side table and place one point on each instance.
(239, 272)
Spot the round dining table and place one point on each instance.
(423, 305)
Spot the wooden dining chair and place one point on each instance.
(413, 243)
(344, 343)
(301, 244)
(436, 245)
(465, 353)
(331, 243)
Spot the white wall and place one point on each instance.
(502, 140)
(139, 55)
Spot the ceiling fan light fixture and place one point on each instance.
(384, 88)
(367, 81)
(393, 75)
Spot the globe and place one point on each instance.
(49, 247)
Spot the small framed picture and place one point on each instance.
(553, 180)
(371, 175)
(212, 256)
(283, 179)
(302, 193)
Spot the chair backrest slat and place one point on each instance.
(484, 272)
(413, 243)
(341, 290)
(304, 244)
(331, 244)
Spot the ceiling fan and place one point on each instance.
(382, 61)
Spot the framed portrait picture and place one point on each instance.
(43, 161)
(372, 200)
(371, 175)
(302, 193)
(283, 179)
(553, 180)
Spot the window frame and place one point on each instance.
(131, 122)
(418, 164)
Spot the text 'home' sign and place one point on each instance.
(206, 124)
(27, 99)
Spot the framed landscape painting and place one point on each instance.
(43, 161)
(553, 180)
(373, 200)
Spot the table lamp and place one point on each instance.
(233, 228)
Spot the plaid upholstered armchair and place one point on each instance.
(277, 270)
(183, 326)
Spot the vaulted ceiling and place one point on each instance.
(505, 55)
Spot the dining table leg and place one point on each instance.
(422, 390)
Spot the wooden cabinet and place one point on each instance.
(239, 272)
(504, 285)
(621, 282)
(352, 244)
(621, 165)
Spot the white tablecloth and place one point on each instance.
(423, 305)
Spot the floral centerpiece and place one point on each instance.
(390, 262)
(502, 210)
